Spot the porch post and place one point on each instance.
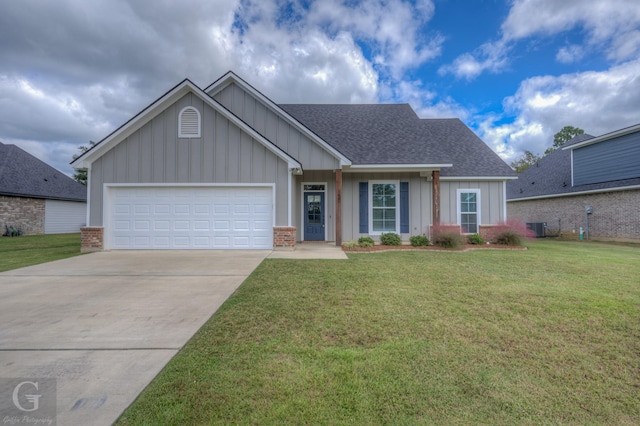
(338, 214)
(436, 197)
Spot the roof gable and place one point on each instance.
(23, 175)
(159, 105)
(231, 78)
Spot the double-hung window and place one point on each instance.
(469, 210)
(384, 207)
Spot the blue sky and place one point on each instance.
(514, 71)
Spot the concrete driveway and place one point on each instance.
(104, 324)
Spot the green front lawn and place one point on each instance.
(17, 252)
(550, 335)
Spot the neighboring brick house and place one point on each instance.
(602, 173)
(36, 198)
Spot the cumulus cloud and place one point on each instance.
(597, 102)
(74, 70)
(608, 24)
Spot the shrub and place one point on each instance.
(366, 242)
(512, 233)
(350, 244)
(419, 240)
(447, 237)
(390, 239)
(475, 239)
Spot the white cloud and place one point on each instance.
(611, 25)
(570, 54)
(72, 70)
(488, 57)
(597, 102)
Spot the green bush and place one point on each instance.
(390, 239)
(350, 244)
(447, 237)
(366, 242)
(475, 239)
(419, 240)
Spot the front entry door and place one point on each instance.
(314, 216)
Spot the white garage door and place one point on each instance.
(191, 218)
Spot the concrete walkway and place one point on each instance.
(104, 324)
(320, 250)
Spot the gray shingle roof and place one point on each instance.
(552, 176)
(23, 175)
(393, 134)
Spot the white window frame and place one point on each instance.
(370, 206)
(189, 135)
(459, 192)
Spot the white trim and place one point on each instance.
(289, 198)
(478, 207)
(324, 207)
(88, 196)
(224, 81)
(370, 206)
(606, 136)
(159, 106)
(572, 168)
(182, 135)
(478, 178)
(107, 196)
(360, 168)
(570, 194)
(504, 201)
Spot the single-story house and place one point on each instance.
(36, 198)
(226, 167)
(591, 183)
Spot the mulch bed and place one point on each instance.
(464, 248)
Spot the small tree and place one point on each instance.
(563, 136)
(81, 175)
(527, 160)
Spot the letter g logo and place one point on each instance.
(34, 399)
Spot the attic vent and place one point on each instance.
(189, 123)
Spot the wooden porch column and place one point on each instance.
(338, 214)
(436, 197)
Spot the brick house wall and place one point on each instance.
(24, 213)
(616, 214)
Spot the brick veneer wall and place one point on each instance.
(284, 237)
(615, 214)
(91, 238)
(24, 213)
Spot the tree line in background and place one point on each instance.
(529, 158)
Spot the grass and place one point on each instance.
(18, 252)
(550, 335)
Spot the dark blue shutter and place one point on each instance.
(364, 208)
(404, 207)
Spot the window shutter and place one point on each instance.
(364, 208)
(404, 207)
(189, 126)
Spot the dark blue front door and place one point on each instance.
(314, 216)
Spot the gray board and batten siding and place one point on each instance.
(223, 154)
(492, 196)
(276, 128)
(611, 160)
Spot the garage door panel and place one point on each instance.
(191, 218)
